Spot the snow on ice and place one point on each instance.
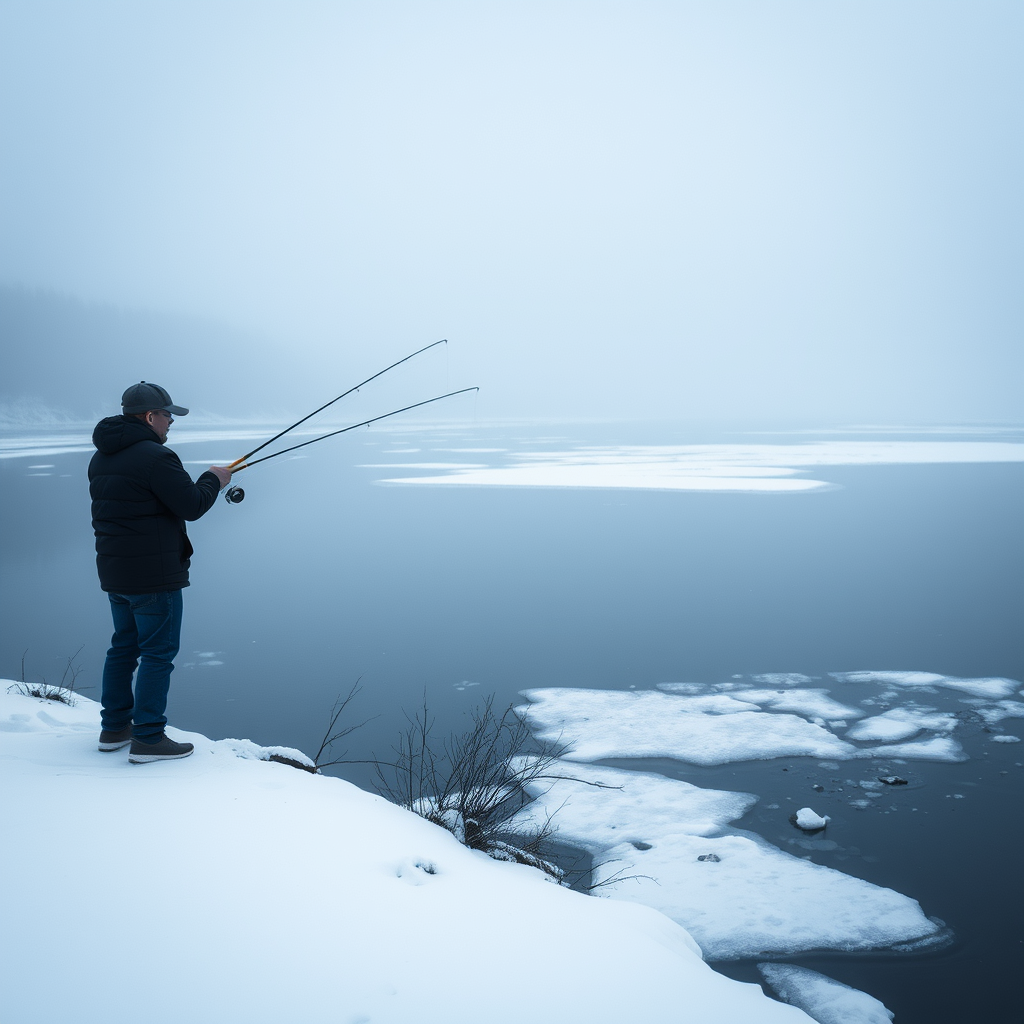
(738, 468)
(811, 703)
(826, 1000)
(258, 893)
(988, 687)
(810, 821)
(662, 842)
(706, 729)
(902, 723)
(702, 730)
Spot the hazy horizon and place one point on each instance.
(790, 213)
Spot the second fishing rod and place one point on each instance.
(236, 494)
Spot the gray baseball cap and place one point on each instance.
(143, 397)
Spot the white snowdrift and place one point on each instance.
(660, 842)
(222, 888)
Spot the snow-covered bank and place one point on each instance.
(226, 889)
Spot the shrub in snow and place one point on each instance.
(62, 692)
(472, 784)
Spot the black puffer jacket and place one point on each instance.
(141, 497)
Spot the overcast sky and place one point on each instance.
(797, 210)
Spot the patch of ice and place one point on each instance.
(938, 748)
(826, 1000)
(901, 724)
(983, 687)
(810, 821)
(1006, 738)
(991, 714)
(593, 724)
(810, 703)
(721, 467)
(647, 833)
(782, 678)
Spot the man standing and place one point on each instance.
(141, 498)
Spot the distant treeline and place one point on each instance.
(69, 360)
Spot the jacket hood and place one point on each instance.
(115, 433)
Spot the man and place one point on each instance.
(141, 498)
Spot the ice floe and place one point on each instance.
(590, 725)
(811, 703)
(714, 467)
(782, 678)
(997, 711)
(593, 724)
(662, 842)
(902, 723)
(826, 1000)
(984, 687)
(810, 821)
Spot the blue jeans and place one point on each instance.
(146, 626)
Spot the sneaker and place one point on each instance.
(115, 739)
(163, 749)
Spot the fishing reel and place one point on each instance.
(233, 495)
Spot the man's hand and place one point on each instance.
(222, 473)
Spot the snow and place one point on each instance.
(810, 821)
(250, 891)
(986, 687)
(1006, 738)
(826, 1000)
(902, 723)
(647, 834)
(758, 468)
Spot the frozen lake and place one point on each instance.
(666, 561)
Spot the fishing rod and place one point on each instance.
(235, 494)
(443, 341)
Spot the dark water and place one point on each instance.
(322, 576)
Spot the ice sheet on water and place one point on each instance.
(704, 729)
(647, 833)
(712, 729)
(984, 687)
(902, 723)
(718, 467)
(782, 678)
(811, 703)
(938, 748)
(994, 712)
(826, 1000)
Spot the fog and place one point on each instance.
(727, 211)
